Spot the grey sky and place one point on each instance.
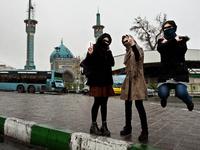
(72, 20)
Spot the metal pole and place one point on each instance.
(28, 34)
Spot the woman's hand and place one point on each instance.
(130, 40)
(164, 40)
(90, 49)
(108, 49)
(178, 39)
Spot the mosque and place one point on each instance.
(62, 59)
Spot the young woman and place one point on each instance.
(173, 72)
(134, 86)
(100, 58)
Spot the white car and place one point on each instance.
(151, 92)
(85, 90)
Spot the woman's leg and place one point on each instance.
(104, 128)
(95, 108)
(163, 93)
(182, 93)
(128, 112)
(142, 113)
(128, 117)
(104, 101)
(94, 111)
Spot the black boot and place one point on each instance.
(190, 106)
(163, 103)
(143, 136)
(126, 130)
(94, 129)
(104, 129)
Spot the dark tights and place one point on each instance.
(99, 101)
(141, 111)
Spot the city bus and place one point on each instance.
(31, 81)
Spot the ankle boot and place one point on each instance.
(94, 129)
(104, 129)
(143, 136)
(126, 130)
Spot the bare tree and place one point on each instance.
(148, 33)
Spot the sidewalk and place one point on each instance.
(169, 128)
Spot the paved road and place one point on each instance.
(173, 127)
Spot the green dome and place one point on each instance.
(63, 52)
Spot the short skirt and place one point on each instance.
(101, 91)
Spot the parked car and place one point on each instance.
(151, 92)
(117, 89)
(85, 90)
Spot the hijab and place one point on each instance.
(100, 46)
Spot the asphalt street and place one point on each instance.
(172, 127)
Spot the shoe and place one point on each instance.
(104, 129)
(143, 136)
(163, 103)
(126, 130)
(190, 106)
(94, 129)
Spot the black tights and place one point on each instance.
(141, 111)
(99, 101)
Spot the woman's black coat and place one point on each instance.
(173, 63)
(101, 72)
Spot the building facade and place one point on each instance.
(62, 60)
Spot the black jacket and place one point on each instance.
(101, 72)
(173, 63)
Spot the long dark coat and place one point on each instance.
(134, 86)
(101, 62)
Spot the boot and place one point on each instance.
(104, 129)
(163, 103)
(94, 129)
(143, 136)
(126, 130)
(190, 106)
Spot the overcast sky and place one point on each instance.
(72, 20)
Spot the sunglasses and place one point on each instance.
(106, 41)
(168, 27)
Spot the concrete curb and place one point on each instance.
(61, 139)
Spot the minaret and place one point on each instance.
(98, 28)
(30, 30)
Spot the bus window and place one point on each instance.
(3, 77)
(58, 76)
(41, 78)
(31, 78)
(12, 77)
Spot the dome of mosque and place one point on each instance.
(61, 52)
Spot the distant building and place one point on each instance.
(3, 67)
(62, 60)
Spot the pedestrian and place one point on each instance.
(100, 80)
(173, 72)
(134, 86)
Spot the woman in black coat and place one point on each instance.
(173, 73)
(100, 59)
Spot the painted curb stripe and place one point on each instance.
(2, 121)
(86, 141)
(18, 129)
(143, 147)
(50, 137)
(61, 139)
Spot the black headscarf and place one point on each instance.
(101, 46)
